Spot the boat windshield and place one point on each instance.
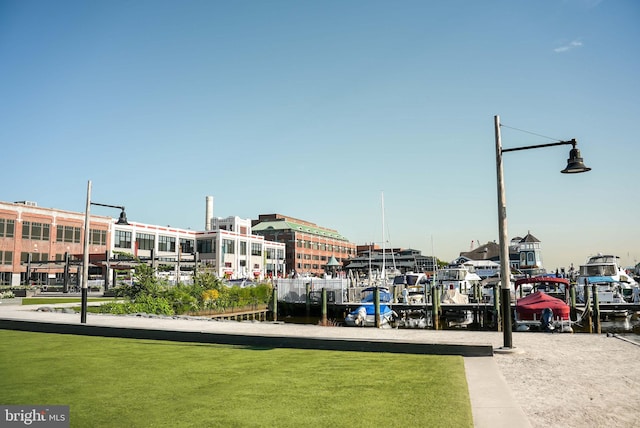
(451, 275)
(598, 270)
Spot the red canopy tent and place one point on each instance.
(536, 302)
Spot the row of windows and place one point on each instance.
(6, 257)
(68, 234)
(35, 231)
(307, 266)
(313, 257)
(301, 243)
(146, 241)
(271, 253)
(35, 257)
(41, 232)
(6, 228)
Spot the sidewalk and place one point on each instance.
(492, 400)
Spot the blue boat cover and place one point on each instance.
(371, 310)
(598, 279)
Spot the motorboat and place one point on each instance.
(609, 291)
(551, 285)
(460, 277)
(605, 265)
(365, 316)
(542, 312)
(413, 287)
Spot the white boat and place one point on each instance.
(413, 287)
(602, 265)
(458, 277)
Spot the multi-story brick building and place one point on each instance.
(35, 241)
(309, 247)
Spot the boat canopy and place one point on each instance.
(542, 280)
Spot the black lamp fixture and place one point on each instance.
(574, 163)
(123, 218)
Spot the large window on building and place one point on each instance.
(145, 241)
(122, 239)
(206, 246)
(68, 234)
(243, 248)
(228, 246)
(256, 249)
(35, 231)
(6, 257)
(5, 278)
(6, 228)
(98, 237)
(166, 243)
(186, 246)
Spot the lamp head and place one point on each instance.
(123, 218)
(574, 163)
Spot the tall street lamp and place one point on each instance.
(85, 253)
(574, 165)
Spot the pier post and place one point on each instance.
(307, 288)
(496, 307)
(596, 309)
(587, 306)
(324, 306)
(572, 300)
(275, 303)
(376, 304)
(435, 310)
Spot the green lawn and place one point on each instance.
(109, 382)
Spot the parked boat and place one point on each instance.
(458, 277)
(556, 287)
(605, 265)
(364, 315)
(413, 287)
(542, 312)
(609, 291)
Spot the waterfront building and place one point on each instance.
(396, 261)
(525, 254)
(309, 247)
(42, 246)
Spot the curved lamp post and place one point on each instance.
(574, 165)
(85, 253)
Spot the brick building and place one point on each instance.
(309, 247)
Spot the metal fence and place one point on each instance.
(338, 290)
(295, 290)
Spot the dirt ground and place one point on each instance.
(574, 380)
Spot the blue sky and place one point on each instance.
(315, 109)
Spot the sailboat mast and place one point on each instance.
(384, 256)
